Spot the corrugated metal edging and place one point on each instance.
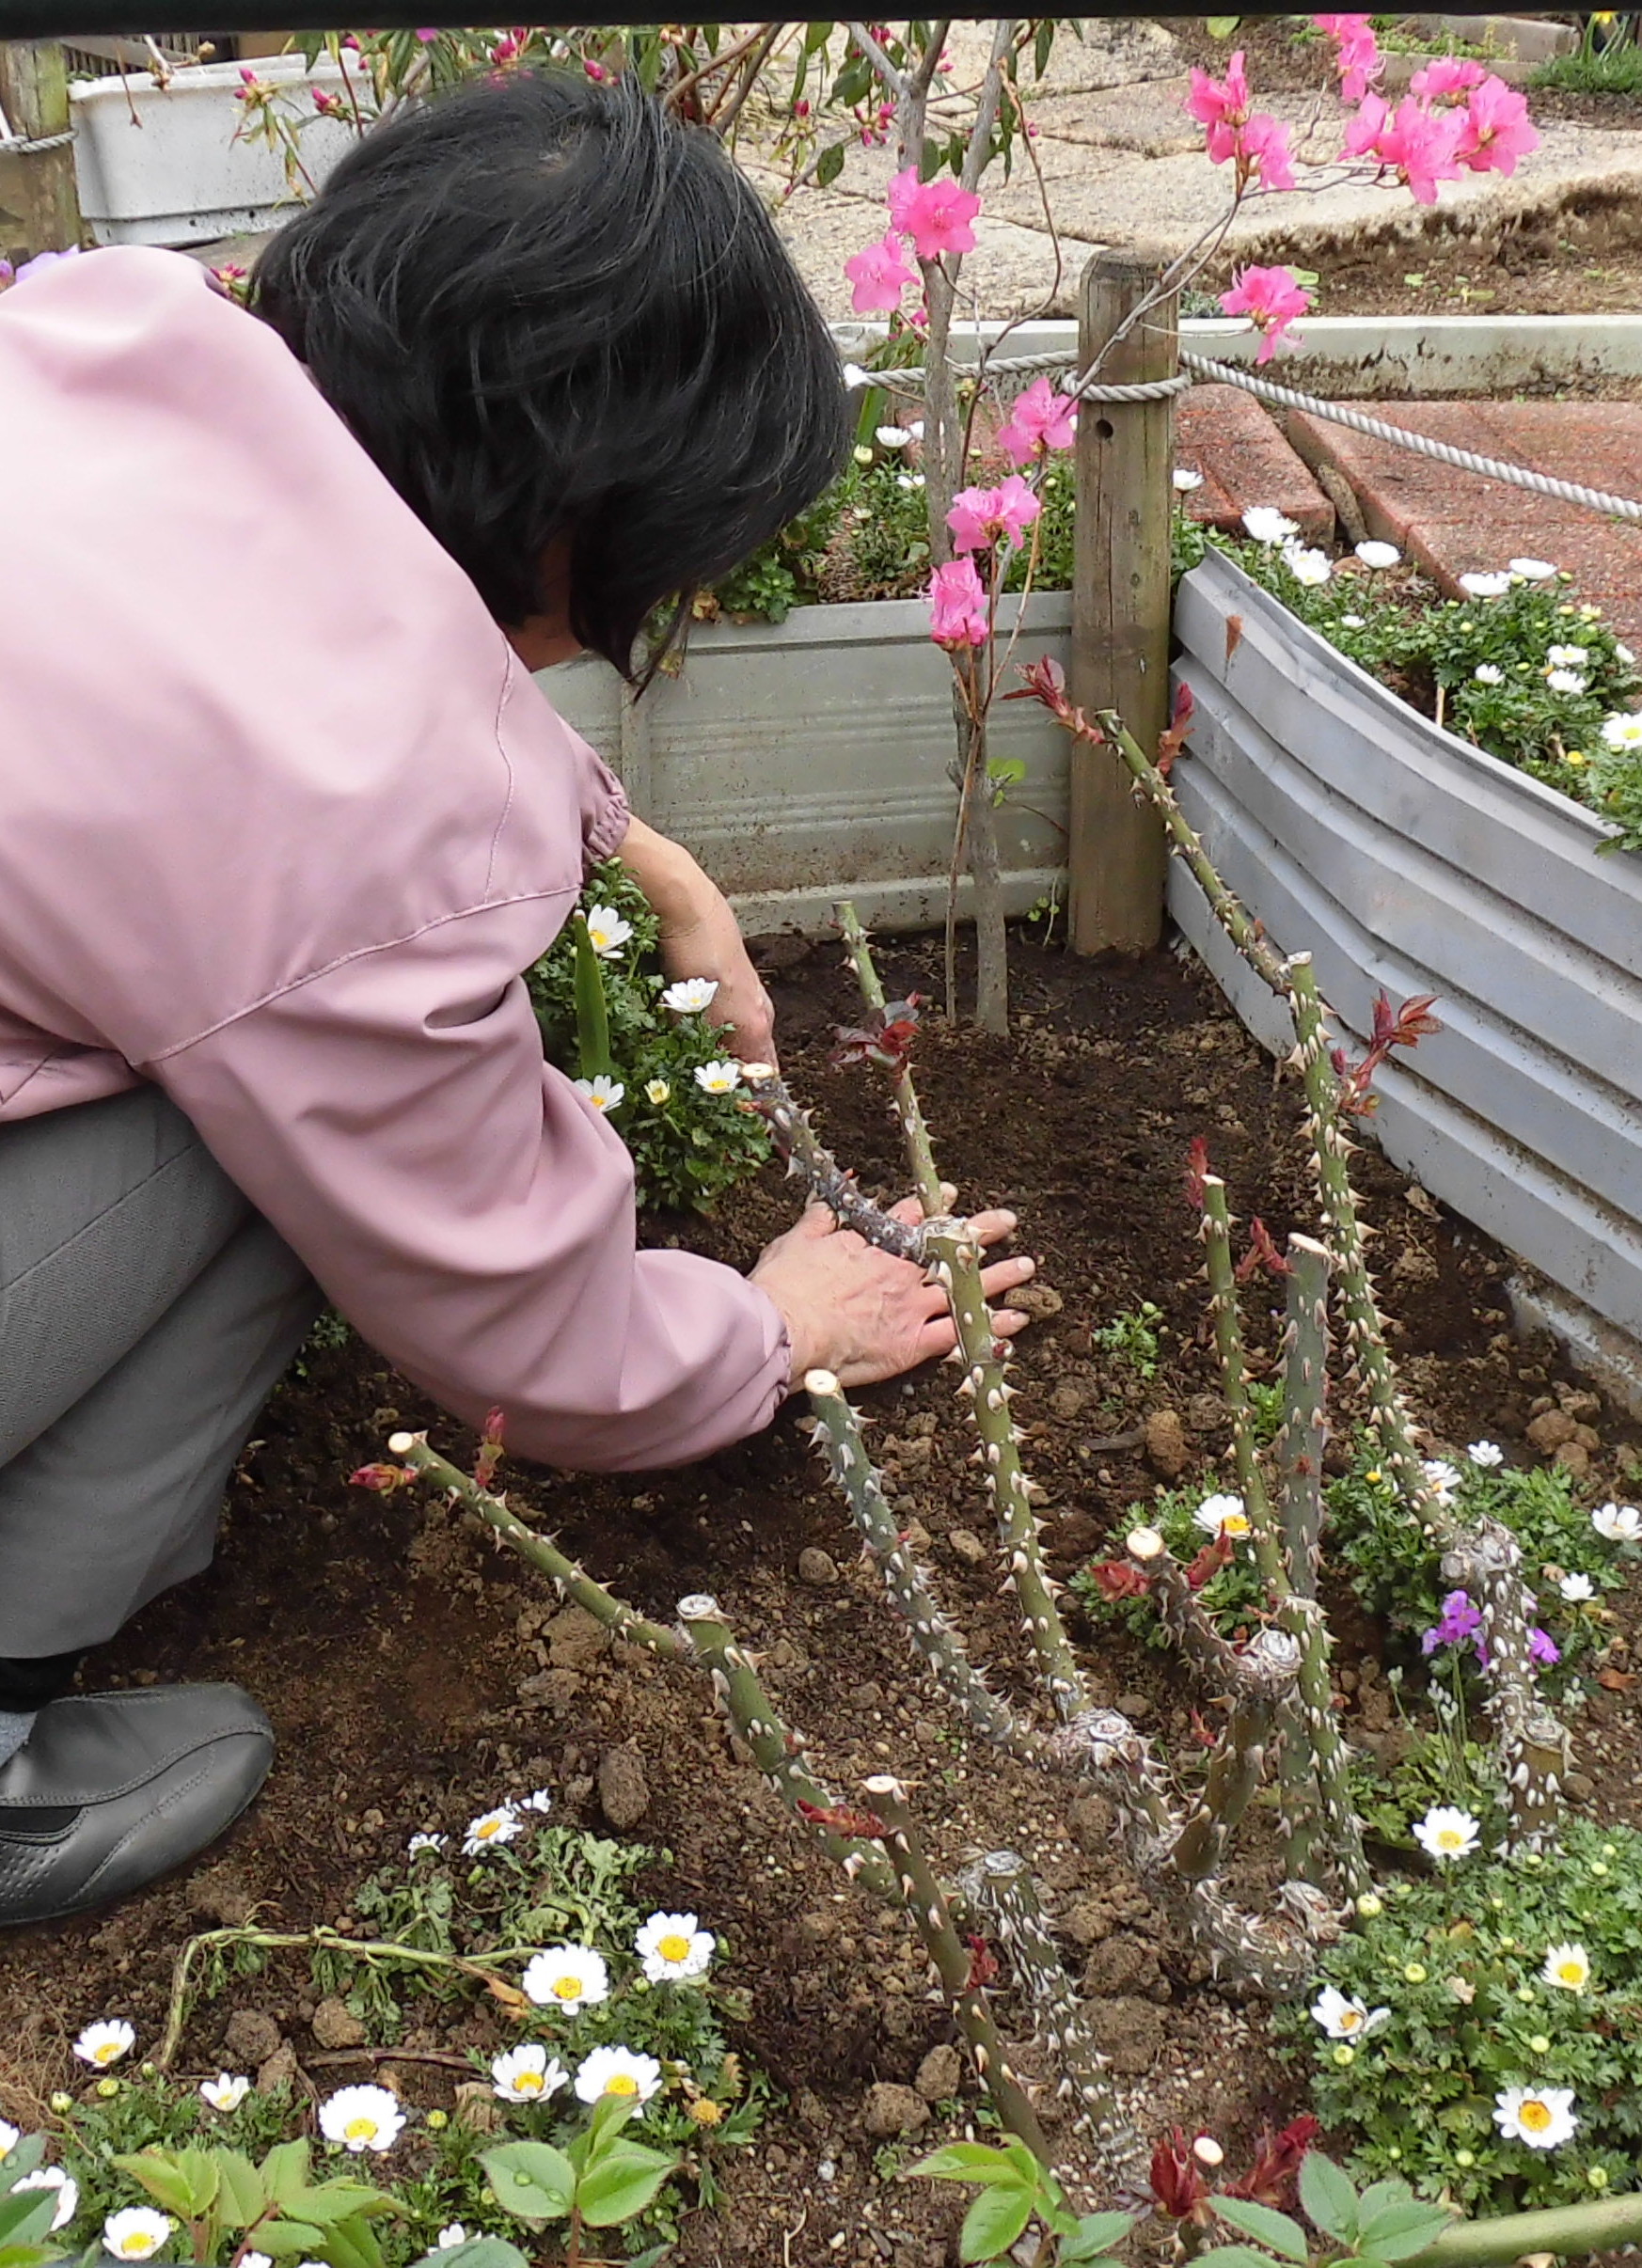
(1357, 832)
(806, 760)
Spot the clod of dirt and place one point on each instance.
(1574, 1457)
(1091, 1819)
(279, 2071)
(624, 1790)
(1036, 1299)
(249, 2037)
(1204, 1413)
(1548, 1433)
(939, 2074)
(816, 1567)
(1089, 1921)
(477, 2106)
(1067, 1400)
(892, 2111)
(965, 1545)
(1125, 1965)
(575, 1640)
(1129, 2033)
(335, 2025)
(1167, 1451)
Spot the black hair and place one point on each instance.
(547, 308)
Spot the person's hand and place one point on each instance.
(700, 937)
(863, 1315)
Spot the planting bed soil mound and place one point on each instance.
(414, 1671)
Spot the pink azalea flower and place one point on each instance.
(1450, 79)
(1416, 144)
(1356, 53)
(879, 275)
(595, 72)
(936, 214)
(427, 34)
(1041, 419)
(1271, 300)
(1262, 153)
(1494, 132)
(980, 516)
(1220, 101)
(958, 606)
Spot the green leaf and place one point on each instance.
(183, 2185)
(968, 2162)
(22, 2158)
(994, 2221)
(1329, 2197)
(26, 2217)
(478, 2252)
(1221, 27)
(592, 1018)
(300, 2239)
(1098, 2232)
(1401, 2225)
(830, 164)
(1235, 2256)
(621, 2185)
(349, 2244)
(1275, 2231)
(532, 2181)
(285, 2172)
(241, 2196)
(330, 2202)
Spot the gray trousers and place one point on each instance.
(146, 1312)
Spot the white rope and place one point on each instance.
(16, 146)
(1286, 396)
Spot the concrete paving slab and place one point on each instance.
(1245, 460)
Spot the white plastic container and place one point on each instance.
(161, 165)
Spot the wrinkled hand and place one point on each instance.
(700, 937)
(862, 1313)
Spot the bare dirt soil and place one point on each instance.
(415, 1673)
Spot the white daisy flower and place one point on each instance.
(657, 1091)
(1570, 681)
(498, 1826)
(53, 2177)
(1446, 1833)
(606, 930)
(1540, 2117)
(1267, 525)
(1617, 1524)
(1222, 1516)
(225, 2092)
(538, 1799)
(1533, 571)
(527, 2074)
(101, 2045)
(568, 1977)
(1376, 558)
(256, 2259)
(1442, 1478)
(908, 482)
(1354, 621)
(1623, 730)
(9, 2135)
(1344, 2016)
(361, 2118)
(603, 1093)
(673, 1949)
(1186, 480)
(1488, 674)
(616, 2070)
(1623, 654)
(1567, 657)
(892, 436)
(1485, 586)
(418, 1843)
(1310, 569)
(1486, 1454)
(1576, 1589)
(690, 995)
(449, 2237)
(720, 1077)
(1567, 1966)
(137, 2232)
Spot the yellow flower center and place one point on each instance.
(1571, 1971)
(530, 2083)
(621, 2083)
(705, 2112)
(1450, 1838)
(107, 2051)
(136, 2245)
(673, 1947)
(1235, 1523)
(567, 1987)
(1350, 2018)
(485, 1829)
(1534, 2115)
(359, 2130)
(1374, 1476)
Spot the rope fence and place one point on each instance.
(1200, 368)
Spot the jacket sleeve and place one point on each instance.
(469, 1213)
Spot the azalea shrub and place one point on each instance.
(1519, 665)
(1477, 2033)
(672, 1089)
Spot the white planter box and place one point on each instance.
(807, 761)
(1405, 859)
(160, 164)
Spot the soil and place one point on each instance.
(403, 1663)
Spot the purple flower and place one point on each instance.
(1458, 1621)
(1542, 1649)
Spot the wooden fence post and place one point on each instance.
(39, 208)
(1120, 607)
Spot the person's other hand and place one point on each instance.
(702, 938)
(861, 1313)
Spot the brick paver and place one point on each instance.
(1244, 459)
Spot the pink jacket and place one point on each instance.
(281, 820)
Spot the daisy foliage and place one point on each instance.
(1495, 2057)
(692, 1142)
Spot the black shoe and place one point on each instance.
(113, 1790)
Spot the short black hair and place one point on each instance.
(548, 308)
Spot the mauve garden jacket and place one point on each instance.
(282, 818)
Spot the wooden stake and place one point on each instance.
(39, 208)
(1120, 607)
